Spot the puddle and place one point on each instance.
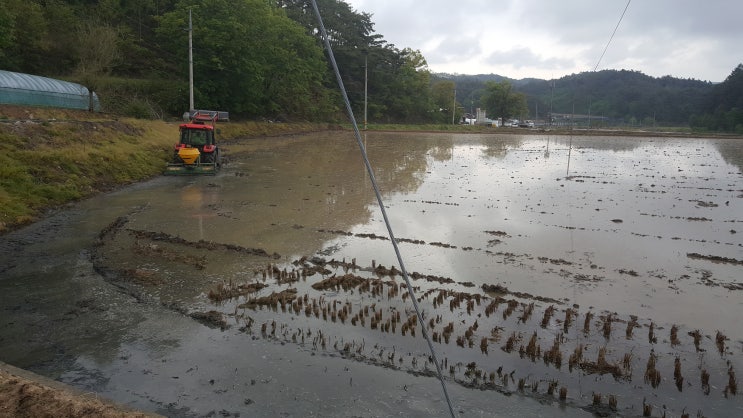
(586, 275)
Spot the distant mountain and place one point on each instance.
(622, 96)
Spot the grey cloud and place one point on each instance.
(523, 57)
(683, 38)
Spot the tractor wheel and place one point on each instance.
(207, 158)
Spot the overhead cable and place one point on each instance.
(612, 35)
(373, 180)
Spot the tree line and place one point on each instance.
(265, 59)
(253, 58)
(611, 97)
(723, 106)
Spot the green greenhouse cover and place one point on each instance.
(33, 90)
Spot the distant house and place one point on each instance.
(482, 119)
(33, 90)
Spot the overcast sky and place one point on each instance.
(700, 39)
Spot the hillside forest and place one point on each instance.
(264, 59)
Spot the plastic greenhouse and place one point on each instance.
(33, 90)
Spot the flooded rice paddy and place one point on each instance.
(556, 274)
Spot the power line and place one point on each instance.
(373, 180)
(612, 35)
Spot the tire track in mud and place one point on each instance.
(153, 245)
(562, 272)
(583, 277)
(579, 277)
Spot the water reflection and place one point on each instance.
(275, 193)
(731, 151)
(443, 149)
(641, 230)
(602, 143)
(195, 202)
(498, 146)
(621, 207)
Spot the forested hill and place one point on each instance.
(265, 59)
(622, 96)
(253, 58)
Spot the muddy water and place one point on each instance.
(605, 271)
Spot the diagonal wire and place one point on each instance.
(612, 35)
(381, 205)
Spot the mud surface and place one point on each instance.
(557, 275)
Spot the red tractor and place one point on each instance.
(197, 152)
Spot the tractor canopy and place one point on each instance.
(196, 135)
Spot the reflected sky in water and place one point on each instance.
(605, 222)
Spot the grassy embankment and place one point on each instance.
(51, 157)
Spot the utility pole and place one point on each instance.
(552, 96)
(454, 107)
(590, 101)
(190, 64)
(366, 82)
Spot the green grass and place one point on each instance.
(63, 157)
(43, 165)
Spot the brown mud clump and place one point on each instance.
(345, 282)
(720, 342)
(631, 324)
(647, 409)
(547, 316)
(601, 365)
(576, 358)
(213, 319)
(274, 300)
(732, 387)
(705, 382)
(532, 349)
(652, 375)
(201, 244)
(554, 355)
(230, 290)
(697, 336)
(570, 313)
(612, 401)
(587, 322)
(674, 336)
(677, 374)
(607, 326)
(715, 259)
(652, 339)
